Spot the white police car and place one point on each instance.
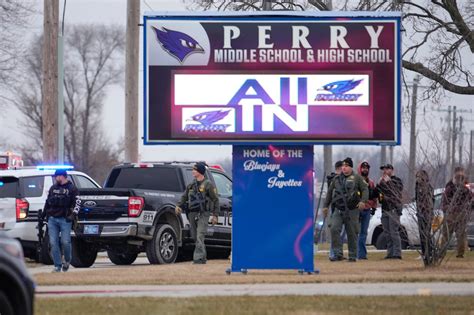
(23, 192)
(409, 231)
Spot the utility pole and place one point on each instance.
(327, 157)
(448, 146)
(412, 154)
(461, 140)
(469, 170)
(131, 81)
(383, 155)
(452, 136)
(61, 90)
(267, 5)
(453, 152)
(328, 165)
(50, 81)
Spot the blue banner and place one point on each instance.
(272, 213)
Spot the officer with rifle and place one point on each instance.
(199, 202)
(348, 193)
(60, 211)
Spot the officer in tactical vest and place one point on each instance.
(59, 210)
(348, 193)
(199, 202)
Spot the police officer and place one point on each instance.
(390, 189)
(59, 210)
(200, 200)
(349, 193)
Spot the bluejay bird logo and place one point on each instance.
(339, 91)
(208, 118)
(177, 44)
(208, 121)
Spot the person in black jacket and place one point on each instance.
(59, 210)
(390, 189)
(457, 207)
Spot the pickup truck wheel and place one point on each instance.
(122, 258)
(163, 248)
(83, 256)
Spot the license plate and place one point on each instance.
(91, 229)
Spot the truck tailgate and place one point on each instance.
(103, 204)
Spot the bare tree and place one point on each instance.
(440, 33)
(13, 21)
(442, 42)
(94, 62)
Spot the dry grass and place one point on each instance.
(259, 305)
(373, 270)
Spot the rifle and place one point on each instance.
(40, 227)
(199, 200)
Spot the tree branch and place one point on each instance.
(421, 69)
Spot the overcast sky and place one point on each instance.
(114, 12)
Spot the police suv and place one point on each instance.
(134, 213)
(23, 192)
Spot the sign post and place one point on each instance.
(272, 223)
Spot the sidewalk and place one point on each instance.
(340, 289)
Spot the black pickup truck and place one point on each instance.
(134, 213)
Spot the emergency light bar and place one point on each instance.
(1, 184)
(54, 167)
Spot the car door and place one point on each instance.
(9, 191)
(224, 191)
(35, 190)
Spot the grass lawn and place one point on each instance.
(376, 269)
(258, 305)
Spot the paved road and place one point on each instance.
(342, 289)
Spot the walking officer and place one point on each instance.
(348, 193)
(199, 201)
(59, 210)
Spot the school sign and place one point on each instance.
(280, 78)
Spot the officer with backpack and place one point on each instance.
(348, 193)
(199, 202)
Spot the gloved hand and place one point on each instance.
(178, 210)
(72, 216)
(361, 206)
(214, 220)
(325, 212)
(372, 211)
